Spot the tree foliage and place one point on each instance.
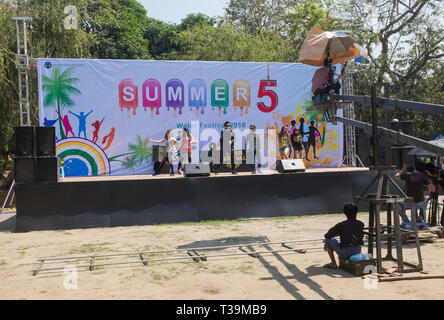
(405, 41)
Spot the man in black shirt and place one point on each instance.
(415, 180)
(351, 234)
(227, 146)
(253, 148)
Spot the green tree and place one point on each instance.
(58, 89)
(228, 43)
(118, 28)
(405, 41)
(162, 36)
(196, 19)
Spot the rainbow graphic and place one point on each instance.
(82, 158)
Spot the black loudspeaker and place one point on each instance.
(24, 141)
(158, 153)
(400, 156)
(24, 170)
(407, 127)
(290, 165)
(45, 141)
(197, 170)
(48, 169)
(164, 170)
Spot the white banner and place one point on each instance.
(105, 111)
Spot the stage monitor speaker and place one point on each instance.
(197, 170)
(45, 141)
(290, 165)
(158, 153)
(24, 170)
(48, 169)
(407, 127)
(24, 141)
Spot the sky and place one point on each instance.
(173, 11)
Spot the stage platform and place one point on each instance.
(108, 201)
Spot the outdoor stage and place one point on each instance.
(110, 201)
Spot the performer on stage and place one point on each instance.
(304, 131)
(293, 126)
(253, 148)
(186, 139)
(172, 155)
(212, 156)
(285, 144)
(296, 140)
(312, 130)
(227, 146)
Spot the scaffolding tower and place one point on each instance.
(351, 159)
(23, 65)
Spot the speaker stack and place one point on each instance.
(35, 155)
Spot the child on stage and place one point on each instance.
(172, 155)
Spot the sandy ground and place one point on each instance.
(271, 276)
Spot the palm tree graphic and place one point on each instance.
(58, 90)
(139, 153)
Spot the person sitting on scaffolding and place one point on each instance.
(323, 82)
(351, 235)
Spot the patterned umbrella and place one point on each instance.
(321, 44)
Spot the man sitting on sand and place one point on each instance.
(351, 234)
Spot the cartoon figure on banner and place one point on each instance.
(241, 96)
(50, 123)
(128, 96)
(96, 124)
(197, 95)
(219, 95)
(66, 124)
(82, 121)
(152, 95)
(175, 95)
(109, 137)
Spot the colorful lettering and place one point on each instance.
(152, 95)
(219, 95)
(128, 95)
(175, 95)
